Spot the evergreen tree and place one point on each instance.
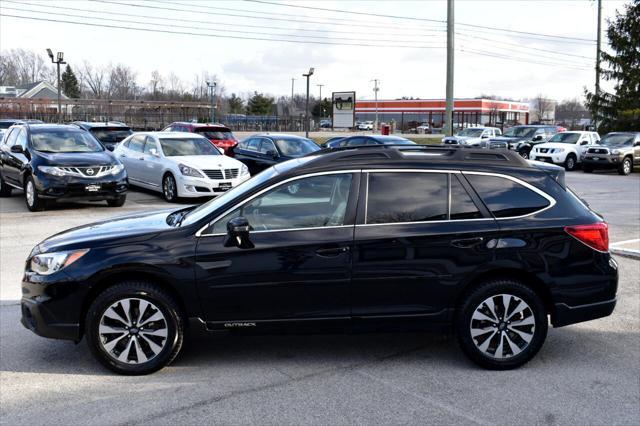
(260, 104)
(322, 109)
(620, 110)
(236, 104)
(70, 86)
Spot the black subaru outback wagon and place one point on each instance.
(374, 238)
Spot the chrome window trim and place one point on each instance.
(552, 201)
(200, 231)
(549, 198)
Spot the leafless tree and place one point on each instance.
(20, 66)
(93, 78)
(543, 108)
(155, 83)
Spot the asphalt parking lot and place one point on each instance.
(587, 373)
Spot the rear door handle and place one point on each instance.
(332, 252)
(467, 242)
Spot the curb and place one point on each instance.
(633, 254)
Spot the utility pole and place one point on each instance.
(597, 103)
(449, 110)
(320, 86)
(212, 93)
(306, 114)
(58, 61)
(292, 82)
(375, 92)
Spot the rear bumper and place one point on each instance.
(565, 314)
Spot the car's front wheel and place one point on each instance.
(626, 166)
(570, 162)
(524, 154)
(118, 202)
(170, 188)
(501, 324)
(31, 197)
(134, 328)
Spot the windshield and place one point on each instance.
(296, 147)
(187, 146)
(111, 135)
(617, 140)
(520, 132)
(565, 138)
(209, 207)
(471, 132)
(215, 134)
(60, 140)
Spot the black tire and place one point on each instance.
(570, 163)
(172, 322)
(169, 195)
(475, 299)
(524, 154)
(587, 169)
(118, 202)
(625, 167)
(31, 197)
(5, 190)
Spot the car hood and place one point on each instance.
(139, 226)
(207, 161)
(78, 159)
(555, 145)
(462, 138)
(510, 139)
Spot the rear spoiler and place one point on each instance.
(556, 172)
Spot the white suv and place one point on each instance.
(565, 148)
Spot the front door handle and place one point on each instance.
(467, 242)
(332, 252)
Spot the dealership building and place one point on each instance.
(407, 112)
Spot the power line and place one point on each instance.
(511, 58)
(420, 19)
(218, 23)
(212, 29)
(211, 35)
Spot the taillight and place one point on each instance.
(595, 235)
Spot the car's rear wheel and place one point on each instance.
(170, 188)
(134, 328)
(31, 197)
(5, 190)
(501, 324)
(118, 202)
(570, 162)
(626, 166)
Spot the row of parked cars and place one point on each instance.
(553, 144)
(88, 161)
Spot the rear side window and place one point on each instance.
(407, 197)
(136, 143)
(506, 198)
(462, 206)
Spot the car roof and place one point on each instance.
(172, 135)
(187, 123)
(623, 133)
(92, 124)
(279, 136)
(49, 126)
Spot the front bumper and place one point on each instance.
(204, 187)
(71, 188)
(602, 160)
(548, 158)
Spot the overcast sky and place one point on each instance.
(406, 55)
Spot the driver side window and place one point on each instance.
(311, 202)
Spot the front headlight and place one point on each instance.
(55, 171)
(615, 152)
(189, 171)
(244, 170)
(117, 169)
(48, 263)
(558, 150)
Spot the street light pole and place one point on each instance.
(375, 92)
(59, 60)
(449, 109)
(306, 114)
(320, 86)
(597, 103)
(212, 95)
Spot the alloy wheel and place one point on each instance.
(133, 331)
(570, 163)
(502, 326)
(626, 166)
(525, 155)
(169, 188)
(30, 193)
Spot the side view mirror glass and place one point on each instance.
(271, 153)
(110, 147)
(154, 152)
(584, 143)
(537, 138)
(17, 149)
(238, 233)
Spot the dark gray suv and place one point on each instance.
(617, 150)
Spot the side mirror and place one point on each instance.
(238, 233)
(110, 147)
(537, 138)
(271, 153)
(584, 143)
(485, 136)
(220, 150)
(154, 152)
(17, 149)
(636, 143)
